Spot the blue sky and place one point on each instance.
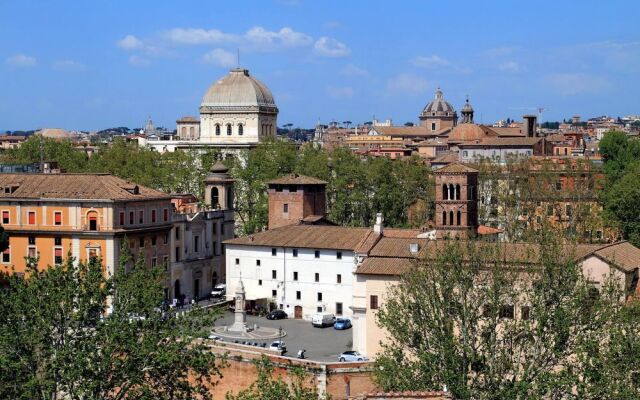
(96, 64)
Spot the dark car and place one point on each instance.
(277, 314)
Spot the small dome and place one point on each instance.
(467, 107)
(219, 173)
(439, 107)
(467, 133)
(238, 89)
(219, 167)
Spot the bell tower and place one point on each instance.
(218, 192)
(456, 201)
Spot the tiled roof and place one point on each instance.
(307, 236)
(385, 266)
(294, 179)
(622, 254)
(502, 141)
(488, 230)
(455, 168)
(401, 232)
(446, 158)
(406, 395)
(506, 131)
(74, 186)
(396, 247)
(408, 131)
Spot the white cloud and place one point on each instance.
(328, 47)
(353, 70)
(408, 84)
(195, 36)
(220, 57)
(433, 61)
(21, 61)
(345, 92)
(509, 66)
(131, 43)
(139, 61)
(257, 37)
(268, 40)
(68, 65)
(568, 84)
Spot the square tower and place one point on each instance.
(456, 201)
(296, 198)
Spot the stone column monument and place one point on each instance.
(240, 315)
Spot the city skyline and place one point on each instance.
(117, 64)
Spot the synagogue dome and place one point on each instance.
(239, 89)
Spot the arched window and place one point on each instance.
(92, 219)
(215, 198)
(228, 129)
(457, 191)
(452, 192)
(183, 131)
(445, 192)
(458, 218)
(450, 217)
(240, 129)
(444, 218)
(230, 197)
(217, 129)
(191, 132)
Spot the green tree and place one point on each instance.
(38, 147)
(490, 326)
(266, 387)
(57, 342)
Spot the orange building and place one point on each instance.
(85, 215)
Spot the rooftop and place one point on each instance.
(295, 179)
(456, 168)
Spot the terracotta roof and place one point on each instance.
(469, 131)
(503, 141)
(75, 186)
(401, 232)
(406, 395)
(408, 131)
(384, 266)
(307, 236)
(488, 230)
(455, 168)
(295, 179)
(396, 247)
(507, 131)
(622, 254)
(446, 158)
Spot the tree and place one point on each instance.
(489, 326)
(268, 388)
(38, 148)
(56, 340)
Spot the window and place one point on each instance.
(57, 218)
(298, 295)
(549, 210)
(339, 255)
(569, 210)
(131, 217)
(317, 254)
(154, 262)
(465, 154)
(274, 274)
(317, 277)
(257, 263)
(506, 311)
(217, 129)
(166, 214)
(338, 308)
(240, 129)
(165, 262)
(153, 215)
(525, 312)
(31, 218)
(274, 293)
(32, 240)
(32, 252)
(319, 309)
(228, 129)
(373, 302)
(274, 252)
(57, 255)
(295, 275)
(433, 126)
(57, 241)
(339, 278)
(285, 208)
(6, 256)
(259, 282)
(214, 229)
(141, 241)
(166, 238)
(295, 252)
(93, 221)
(196, 244)
(319, 296)
(141, 216)
(177, 233)
(237, 261)
(5, 217)
(558, 185)
(177, 254)
(121, 218)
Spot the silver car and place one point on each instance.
(352, 356)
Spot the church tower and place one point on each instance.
(218, 193)
(295, 199)
(456, 201)
(467, 113)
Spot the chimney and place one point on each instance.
(530, 124)
(379, 226)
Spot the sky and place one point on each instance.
(89, 65)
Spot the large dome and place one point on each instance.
(467, 133)
(238, 89)
(439, 107)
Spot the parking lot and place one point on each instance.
(322, 344)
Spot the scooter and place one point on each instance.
(301, 354)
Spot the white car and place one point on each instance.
(352, 356)
(219, 290)
(278, 345)
(214, 337)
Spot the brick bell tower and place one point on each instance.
(456, 202)
(295, 199)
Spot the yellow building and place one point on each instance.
(85, 215)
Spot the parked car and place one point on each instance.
(352, 356)
(219, 290)
(278, 345)
(342, 323)
(277, 314)
(320, 320)
(214, 337)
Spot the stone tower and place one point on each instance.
(456, 202)
(218, 193)
(294, 199)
